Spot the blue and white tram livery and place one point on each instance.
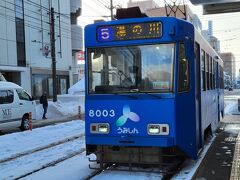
(153, 85)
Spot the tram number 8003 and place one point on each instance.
(101, 113)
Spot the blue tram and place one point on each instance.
(152, 84)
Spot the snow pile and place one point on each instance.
(78, 88)
(19, 143)
(66, 106)
(231, 106)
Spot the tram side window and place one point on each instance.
(221, 78)
(214, 71)
(207, 70)
(215, 78)
(203, 80)
(211, 73)
(183, 70)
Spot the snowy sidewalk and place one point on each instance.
(20, 143)
(45, 122)
(30, 151)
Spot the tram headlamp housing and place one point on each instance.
(158, 129)
(153, 129)
(99, 128)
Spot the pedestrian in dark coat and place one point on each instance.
(44, 102)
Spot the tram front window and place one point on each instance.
(131, 69)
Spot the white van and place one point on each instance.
(15, 106)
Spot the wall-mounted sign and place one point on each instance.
(134, 31)
(46, 50)
(80, 57)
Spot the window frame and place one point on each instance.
(203, 71)
(186, 89)
(20, 92)
(207, 71)
(7, 97)
(90, 76)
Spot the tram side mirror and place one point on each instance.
(97, 54)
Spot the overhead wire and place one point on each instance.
(63, 28)
(12, 18)
(63, 22)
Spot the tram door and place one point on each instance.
(198, 91)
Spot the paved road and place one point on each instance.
(218, 162)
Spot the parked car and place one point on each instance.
(16, 107)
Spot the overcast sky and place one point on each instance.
(226, 27)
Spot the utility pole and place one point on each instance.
(111, 9)
(53, 54)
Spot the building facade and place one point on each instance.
(25, 34)
(77, 41)
(208, 35)
(215, 43)
(143, 5)
(229, 65)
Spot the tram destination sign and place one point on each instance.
(134, 31)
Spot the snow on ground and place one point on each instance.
(32, 162)
(18, 143)
(75, 168)
(125, 175)
(67, 105)
(231, 106)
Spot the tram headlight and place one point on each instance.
(153, 129)
(103, 128)
(158, 129)
(99, 128)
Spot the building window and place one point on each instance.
(20, 33)
(21, 56)
(75, 15)
(19, 9)
(43, 83)
(73, 18)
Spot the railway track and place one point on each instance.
(40, 158)
(40, 148)
(160, 173)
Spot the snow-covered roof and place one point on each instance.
(8, 85)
